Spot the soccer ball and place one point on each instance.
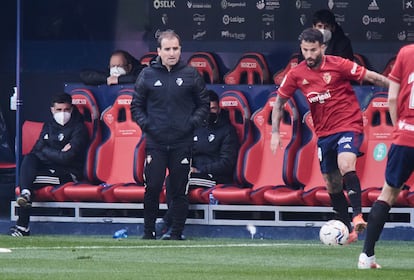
(334, 233)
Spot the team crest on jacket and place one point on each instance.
(211, 137)
(61, 137)
(327, 77)
(179, 81)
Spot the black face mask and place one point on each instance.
(212, 118)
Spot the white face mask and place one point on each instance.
(62, 118)
(327, 35)
(117, 71)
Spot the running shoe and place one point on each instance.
(365, 262)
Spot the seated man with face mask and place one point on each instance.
(57, 157)
(215, 148)
(214, 154)
(123, 69)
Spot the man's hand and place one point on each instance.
(112, 80)
(67, 147)
(275, 142)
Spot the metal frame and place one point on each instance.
(210, 214)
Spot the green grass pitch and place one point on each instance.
(98, 257)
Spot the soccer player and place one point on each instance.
(324, 80)
(400, 164)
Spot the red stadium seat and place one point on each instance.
(30, 133)
(239, 113)
(250, 69)
(114, 157)
(307, 178)
(263, 169)
(206, 65)
(124, 152)
(131, 192)
(377, 141)
(146, 58)
(85, 101)
(280, 75)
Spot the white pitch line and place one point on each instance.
(167, 246)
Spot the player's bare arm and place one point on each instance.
(376, 79)
(277, 113)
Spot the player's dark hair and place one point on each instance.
(213, 96)
(62, 98)
(129, 58)
(311, 35)
(324, 16)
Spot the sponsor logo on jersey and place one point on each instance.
(318, 97)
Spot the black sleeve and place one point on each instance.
(202, 101)
(93, 77)
(127, 79)
(40, 143)
(79, 144)
(139, 103)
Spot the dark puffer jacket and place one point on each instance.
(169, 105)
(54, 137)
(216, 148)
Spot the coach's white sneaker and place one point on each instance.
(366, 262)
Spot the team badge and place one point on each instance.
(211, 137)
(179, 81)
(149, 159)
(61, 137)
(327, 77)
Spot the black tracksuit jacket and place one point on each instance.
(169, 105)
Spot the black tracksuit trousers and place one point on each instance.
(178, 162)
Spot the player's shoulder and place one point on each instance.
(407, 49)
(298, 68)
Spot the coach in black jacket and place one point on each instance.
(169, 103)
(57, 157)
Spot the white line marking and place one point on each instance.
(168, 246)
(5, 250)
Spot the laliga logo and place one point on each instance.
(124, 101)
